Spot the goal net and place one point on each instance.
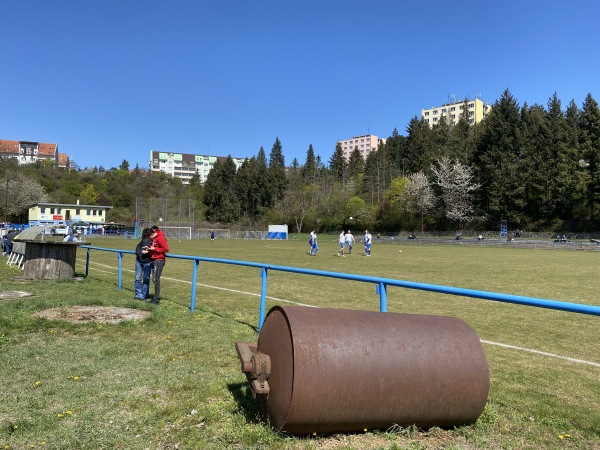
(204, 233)
(177, 232)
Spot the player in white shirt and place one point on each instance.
(342, 241)
(350, 241)
(367, 241)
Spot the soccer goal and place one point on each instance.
(177, 232)
(204, 233)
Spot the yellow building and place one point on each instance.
(57, 213)
(475, 112)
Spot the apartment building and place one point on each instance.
(475, 112)
(366, 144)
(185, 165)
(28, 152)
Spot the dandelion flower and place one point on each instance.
(37, 383)
(59, 415)
(69, 412)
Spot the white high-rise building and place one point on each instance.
(476, 110)
(185, 165)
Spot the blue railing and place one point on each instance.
(380, 283)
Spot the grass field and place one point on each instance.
(173, 381)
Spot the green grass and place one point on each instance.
(173, 380)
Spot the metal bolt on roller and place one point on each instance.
(318, 370)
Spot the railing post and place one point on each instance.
(194, 278)
(87, 262)
(381, 290)
(120, 283)
(263, 297)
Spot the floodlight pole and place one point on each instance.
(6, 203)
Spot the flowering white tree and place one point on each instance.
(456, 182)
(420, 196)
(18, 192)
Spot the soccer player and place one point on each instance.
(342, 244)
(350, 241)
(315, 245)
(367, 241)
(311, 240)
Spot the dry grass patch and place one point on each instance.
(85, 314)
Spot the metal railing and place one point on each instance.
(381, 284)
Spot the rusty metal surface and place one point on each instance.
(340, 370)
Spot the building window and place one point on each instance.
(471, 113)
(435, 119)
(443, 110)
(51, 210)
(426, 113)
(78, 212)
(471, 105)
(452, 109)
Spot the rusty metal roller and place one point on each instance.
(330, 370)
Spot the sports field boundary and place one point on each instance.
(282, 300)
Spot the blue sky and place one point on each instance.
(114, 79)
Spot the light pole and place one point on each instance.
(6, 203)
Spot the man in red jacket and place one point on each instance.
(157, 254)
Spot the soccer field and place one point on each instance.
(544, 364)
(508, 331)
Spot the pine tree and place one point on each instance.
(309, 169)
(589, 141)
(337, 164)
(497, 159)
(277, 177)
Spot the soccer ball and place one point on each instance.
(351, 217)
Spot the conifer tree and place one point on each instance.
(337, 164)
(277, 177)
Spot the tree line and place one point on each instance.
(536, 166)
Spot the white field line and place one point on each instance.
(498, 344)
(210, 286)
(538, 352)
